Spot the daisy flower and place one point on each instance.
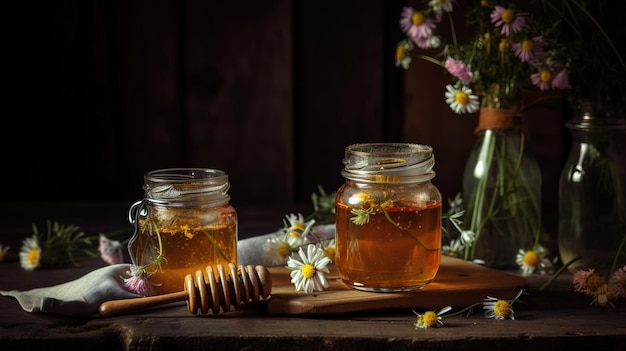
(529, 49)
(454, 249)
(431, 318)
(3, 252)
(510, 20)
(440, 6)
(617, 283)
(111, 251)
(500, 309)
(330, 249)
(402, 54)
(416, 25)
(542, 79)
(461, 100)
(307, 274)
(459, 70)
(296, 227)
(532, 260)
(278, 248)
(30, 253)
(138, 281)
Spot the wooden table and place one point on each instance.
(554, 319)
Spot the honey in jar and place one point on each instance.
(388, 218)
(184, 224)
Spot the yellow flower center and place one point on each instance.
(545, 75)
(330, 252)
(429, 319)
(531, 259)
(296, 230)
(33, 256)
(417, 18)
(594, 282)
(400, 52)
(501, 308)
(528, 45)
(308, 270)
(284, 250)
(461, 98)
(508, 16)
(505, 45)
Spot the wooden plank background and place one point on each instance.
(271, 92)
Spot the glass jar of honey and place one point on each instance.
(183, 224)
(388, 218)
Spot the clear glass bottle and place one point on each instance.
(183, 224)
(388, 218)
(592, 194)
(501, 191)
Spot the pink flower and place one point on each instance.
(111, 251)
(617, 284)
(587, 281)
(542, 79)
(417, 26)
(511, 21)
(459, 70)
(138, 282)
(529, 49)
(561, 80)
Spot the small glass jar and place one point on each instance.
(183, 224)
(388, 218)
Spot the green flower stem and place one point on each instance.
(557, 273)
(406, 232)
(452, 30)
(215, 245)
(508, 197)
(431, 60)
(479, 193)
(159, 258)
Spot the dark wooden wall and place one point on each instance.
(269, 91)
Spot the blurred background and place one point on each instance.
(101, 92)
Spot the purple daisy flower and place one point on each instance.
(529, 50)
(416, 25)
(542, 79)
(510, 20)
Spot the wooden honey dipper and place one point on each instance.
(238, 287)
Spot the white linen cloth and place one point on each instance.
(83, 296)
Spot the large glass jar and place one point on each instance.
(592, 194)
(388, 218)
(183, 224)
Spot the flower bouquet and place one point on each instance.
(510, 49)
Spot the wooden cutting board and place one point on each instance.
(458, 284)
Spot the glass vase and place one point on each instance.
(501, 190)
(592, 194)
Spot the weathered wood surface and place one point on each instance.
(554, 319)
(458, 284)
